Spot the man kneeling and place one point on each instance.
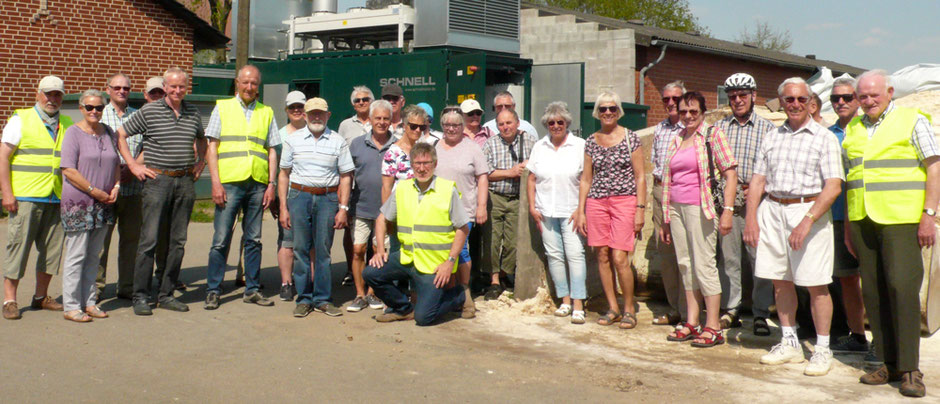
(432, 228)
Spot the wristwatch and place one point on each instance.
(731, 208)
(452, 259)
(930, 212)
(344, 207)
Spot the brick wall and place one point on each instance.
(78, 42)
(704, 73)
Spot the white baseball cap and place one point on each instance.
(470, 105)
(295, 97)
(51, 83)
(153, 83)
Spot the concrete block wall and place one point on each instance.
(84, 42)
(608, 55)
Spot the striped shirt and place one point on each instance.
(503, 156)
(798, 162)
(168, 139)
(663, 135)
(721, 156)
(316, 161)
(110, 117)
(745, 141)
(214, 129)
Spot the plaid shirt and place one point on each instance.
(922, 137)
(110, 117)
(214, 128)
(798, 162)
(722, 157)
(745, 141)
(499, 157)
(663, 136)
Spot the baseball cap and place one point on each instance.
(316, 103)
(295, 97)
(392, 89)
(427, 108)
(51, 83)
(470, 105)
(153, 83)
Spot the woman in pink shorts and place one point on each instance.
(612, 202)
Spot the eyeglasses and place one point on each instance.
(604, 110)
(693, 112)
(674, 99)
(475, 113)
(364, 99)
(90, 108)
(115, 88)
(801, 100)
(421, 163)
(846, 98)
(503, 106)
(415, 126)
(390, 98)
(553, 123)
(734, 97)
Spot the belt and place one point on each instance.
(790, 201)
(314, 190)
(174, 173)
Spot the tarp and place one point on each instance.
(906, 81)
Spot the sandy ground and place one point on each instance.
(512, 352)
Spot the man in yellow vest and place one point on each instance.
(32, 185)
(432, 228)
(242, 163)
(892, 192)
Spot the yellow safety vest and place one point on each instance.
(241, 147)
(886, 180)
(424, 228)
(34, 167)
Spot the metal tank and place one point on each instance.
(267, 38)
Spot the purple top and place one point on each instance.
(684, 168)
(613, 168)
(96, 159)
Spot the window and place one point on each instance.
(722, 97)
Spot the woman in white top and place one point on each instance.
(554, 176)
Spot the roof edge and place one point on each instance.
(204, 35)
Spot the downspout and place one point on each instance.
(643, 71)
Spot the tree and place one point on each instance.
(219, 11)
(764, 36)
(667, 14)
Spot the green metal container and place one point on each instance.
(634, 117)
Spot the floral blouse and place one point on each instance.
(397, 164)
(613, 168)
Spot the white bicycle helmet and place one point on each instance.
(740, 81)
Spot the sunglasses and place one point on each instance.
(847, 98)
(674, 99)
(501, 107)
(415, 126)
(449, 110)
(365, 99)
(90, 108)
(115, 88)
(553, 123)
(156, 92)
(607, 109)
(296, 106)
(801, 100)
(734, 97)
(475, 113)
(692, 112)
(390, 98)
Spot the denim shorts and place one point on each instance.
(465, 252)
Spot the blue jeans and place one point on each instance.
(245, 196)
(561, 241)
(311, 219)
(432, 303)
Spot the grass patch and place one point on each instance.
(203, 211)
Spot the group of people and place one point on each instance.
(797, 204)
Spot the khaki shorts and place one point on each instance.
(808, 266)
(362, 230)
(34, 223)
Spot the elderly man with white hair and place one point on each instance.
(891, 201)
(799, 167)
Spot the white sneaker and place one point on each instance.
(783, 353)
(563, 311)
(820, 363)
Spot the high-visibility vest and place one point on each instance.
(424, 228)
(34, 167)
(241, 146)
(886, 180)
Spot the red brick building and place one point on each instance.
(86, 41)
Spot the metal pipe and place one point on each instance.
(643, 71)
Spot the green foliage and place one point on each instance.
(219, 11)
(767, 37)
(203, 212)
(668, 14)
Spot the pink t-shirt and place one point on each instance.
(684, 168)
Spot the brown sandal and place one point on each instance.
(628, 322)
(96, 312)
(609, 318)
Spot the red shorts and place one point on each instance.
(610, 221)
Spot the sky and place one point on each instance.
(869, 34)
